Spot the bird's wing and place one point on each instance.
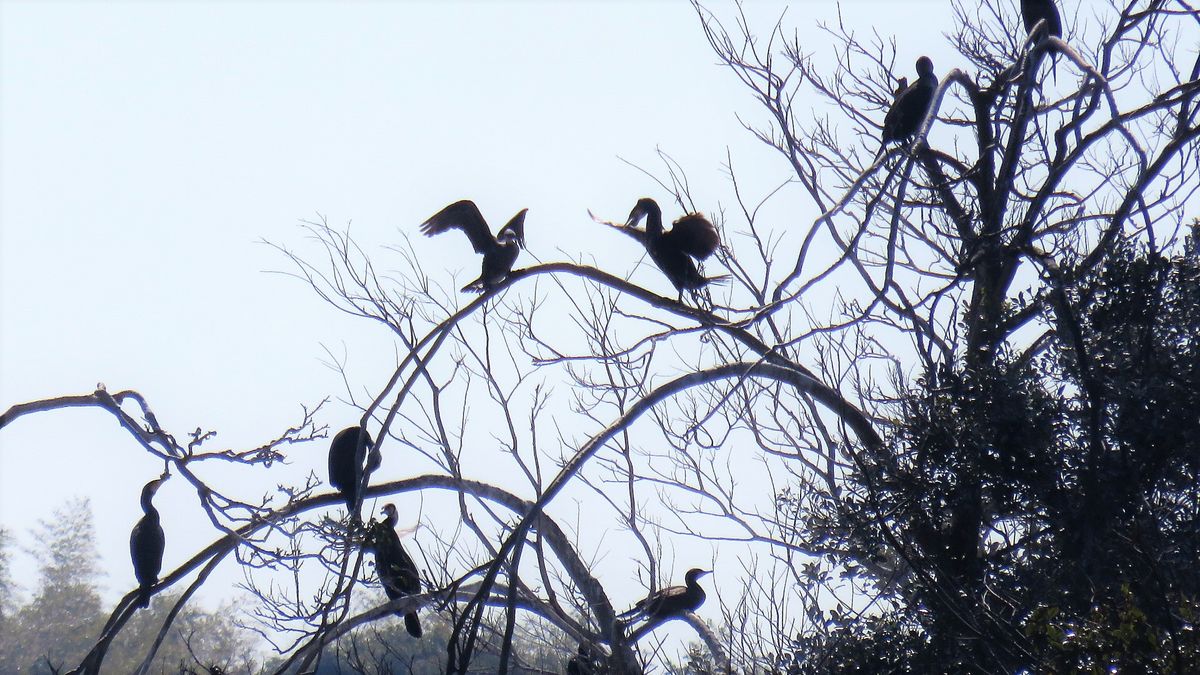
(655, 602)
(517, 226)
(638, 235)
(344, 460)
(409, 576)
(600, 220)
(896, 113)
(909, 108)
(1033, 11)
(406, 532)
(639, 607)
(694, 235)
(465, 216)
(146, 545)
(1049, 12)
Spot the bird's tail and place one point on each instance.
(699, 283)
(355, 517)
(412, 623)
(143, 598)
(630, 615)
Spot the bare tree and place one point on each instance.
(863, 418)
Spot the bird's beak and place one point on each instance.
(635, 215)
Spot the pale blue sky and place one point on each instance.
(146, 147)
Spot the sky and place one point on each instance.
(147, 150)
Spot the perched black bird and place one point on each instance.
(586, 662)
(347, 454)
(911, 105)
(146, 543)
(692, 236)
(397, 571)
(1033, 11)
(669, 603)
(499, 252)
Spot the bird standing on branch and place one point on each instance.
(691, 236)
(396, 569)
(910, 106)
(499, 252)
(587, 661)
(347, 454)
(147, 542)
(668, 603)
(1033, 11)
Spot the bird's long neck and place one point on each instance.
(148, 506)
(693, 586)
(654, 224)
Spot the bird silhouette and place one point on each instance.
(910, 106)
(1033, 11)
(499, 252)
(668, 603)
(397, 572)
(147, 542)
(347, 455)
(690, 237)
(587, 661)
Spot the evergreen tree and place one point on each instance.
(58, 624)
(8, 601)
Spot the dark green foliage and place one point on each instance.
(1047, 509)
(869, 645)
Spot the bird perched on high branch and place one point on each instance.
(499, 252)
(691, 236)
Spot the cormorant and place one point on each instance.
(691, 236)
(397, 571)
(146, 543)
(585, 662)
(669, 603)
(499, 252)
(1033, 11)
(347, 454)
(911, 105)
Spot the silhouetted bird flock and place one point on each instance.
(692, 238)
